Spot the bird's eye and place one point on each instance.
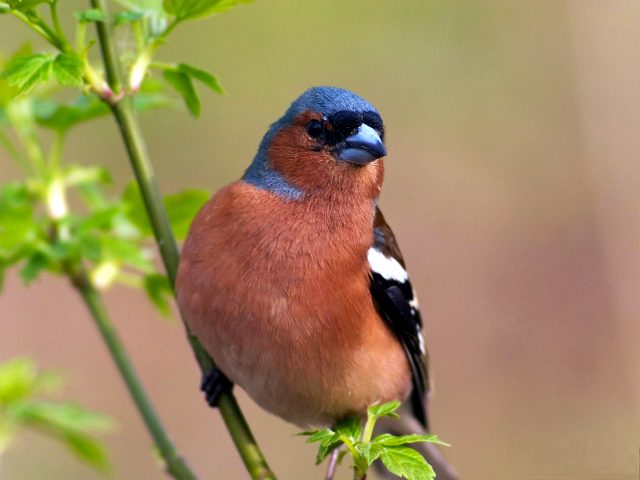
(315, 128)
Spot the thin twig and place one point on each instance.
(175, 465)
(127, 122)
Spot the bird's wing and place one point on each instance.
(396, 303)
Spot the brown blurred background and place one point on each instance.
(513, 184)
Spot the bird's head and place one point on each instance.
(329, 139)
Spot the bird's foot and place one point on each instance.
(214, 384)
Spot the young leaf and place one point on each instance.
(183, 84)
(17, 224)
(92, 15)
(369, 451)
(391, 440)
(182, 207)
(159, 290)
(88, 449)
(25, 5)
(36, 263)
(207, 78)
(126, 17)
(321, 436)
(407, 463)
(325, 450)
(350, 427)
(67, 68)
(329, 441)
(72, 425)
(126, 252)
(66, 417)
(384, 410)
(192, 9)
(19, 379)
(25, 72)
(143, 6)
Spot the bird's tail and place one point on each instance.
(408, 424)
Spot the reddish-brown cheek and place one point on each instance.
(292, 155)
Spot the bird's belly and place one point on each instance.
(308, 362)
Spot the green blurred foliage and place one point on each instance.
(21, 386)
(365, 449)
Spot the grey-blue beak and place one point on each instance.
(362, 147)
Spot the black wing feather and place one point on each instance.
(393, 300)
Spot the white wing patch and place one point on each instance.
(387, 268)
(423, 349)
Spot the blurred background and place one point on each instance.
(513, 185)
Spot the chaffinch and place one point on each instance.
(293, 281)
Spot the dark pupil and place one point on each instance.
(314, 128)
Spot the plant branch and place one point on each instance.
(53, 6)
(134, 142)
(175, 465)
(40, 28)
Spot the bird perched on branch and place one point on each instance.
(293, 281)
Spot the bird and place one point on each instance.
(294, 283)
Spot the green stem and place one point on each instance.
(368, 428)
(175, 465)
(134, 142)
(14, 153)
(40, 28)
(53, 7)
(55, 152)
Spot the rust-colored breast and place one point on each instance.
(278, 293)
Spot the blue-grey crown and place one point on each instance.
(326, 100)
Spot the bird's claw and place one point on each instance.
(214, 384)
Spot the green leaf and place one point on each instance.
(384, 410)
(17, 224)
(389, 440)
(125, 251)
(350, 427)
(89, 450)
(329, 441)
(159, 291)
(369, 451)
(61, 118)
(407, 463)
(72, 424)
(76, 175)
(66, 417)
(182, 208)
(183, 84)
(127, 17)
(143, 6)
(92, 15)
(151, 101)
(69, 423)
(19, 379)
(36, 263)
(25, 72)
(25, 5)
(325, 450)
(206, 78)
(4, 8)
(101, 219)
(67, 68)
(319, 435)
(192, 9)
